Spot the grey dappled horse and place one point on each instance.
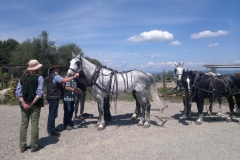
(178, 70)
(104, 81)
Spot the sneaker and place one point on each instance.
(54, 133)
(39, 148)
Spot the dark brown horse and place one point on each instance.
(199, 86)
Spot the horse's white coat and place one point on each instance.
(118, 84)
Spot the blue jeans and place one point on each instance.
(68, 112)
(53, 113)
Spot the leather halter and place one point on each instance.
(78, 66)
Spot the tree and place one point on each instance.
(45, 51)
(37, 48)
(6, 49)
(64, 54)
(164, 79)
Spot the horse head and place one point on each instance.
(179, 68)
(75, 64)
(187, 79)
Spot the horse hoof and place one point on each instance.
(209, 113)
(146, 125)
(134, 116)
(199, 121)
(229, 119)
(140, 124)
(219, 114)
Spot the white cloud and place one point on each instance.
(175, 43)
(208, 33)
(124, 62)
(213, 45)
(150, 64)
(237, 61)
(152, 36)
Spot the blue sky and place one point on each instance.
(148, 35)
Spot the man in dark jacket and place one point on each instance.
(55, 90)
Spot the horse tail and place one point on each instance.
(154, 91)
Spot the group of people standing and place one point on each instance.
(30, 92)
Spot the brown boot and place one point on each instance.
(81, 117)
(74, 118)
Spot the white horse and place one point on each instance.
(178, 70)
(104, 81)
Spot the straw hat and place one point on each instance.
(54, 66)
(33, 65)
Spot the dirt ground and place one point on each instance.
(168, 138)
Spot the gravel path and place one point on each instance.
(167, 138)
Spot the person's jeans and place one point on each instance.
(68, 112)
(34, 114)
(53, 113)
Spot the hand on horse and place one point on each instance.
(76, 75)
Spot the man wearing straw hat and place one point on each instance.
(55, 91)
(30, 94)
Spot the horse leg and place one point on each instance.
(185, 110)
(101, 121)
(200, 103)
(147, 119)
(231, 107)
(137, 108)
(220, 107)
(141, 120)
(189, 106)
(209, 112)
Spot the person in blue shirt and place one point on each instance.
(29, 91)
(55, 91)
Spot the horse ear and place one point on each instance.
(175, 63)
(182, 63)
(73, 55)
(80, 55)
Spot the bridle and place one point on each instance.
(78, 65)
